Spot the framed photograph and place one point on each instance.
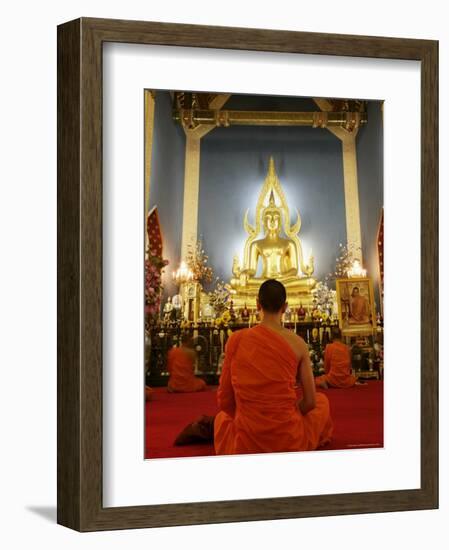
(356, 306)
(197, 165)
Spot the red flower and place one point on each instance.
(153, 287)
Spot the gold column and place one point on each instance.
(191, 192)
(192, 177)
(192, 186)
(351, 185)
(149, 103)
(353, 229)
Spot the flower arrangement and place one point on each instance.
(324, 316)
(316, 314)
(347, 255)
(154, 266)
(224, 320)
(323, 298)
(218, 299)
(197, 260)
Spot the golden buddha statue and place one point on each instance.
(279, 256)
(278, 251)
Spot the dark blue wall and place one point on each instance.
(233, 167)
(167, 182)
(370, 178)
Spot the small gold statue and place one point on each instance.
(168, 310)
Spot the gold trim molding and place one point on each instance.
(192, 118)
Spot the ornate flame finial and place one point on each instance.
(271, 168)
(271, 202)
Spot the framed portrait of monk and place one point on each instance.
(356, 306)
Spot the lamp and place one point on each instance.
(356, 270)
(183, 274)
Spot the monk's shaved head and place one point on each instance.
(272, 296)
(187, 340)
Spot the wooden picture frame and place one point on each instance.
(80, 351)
(365, 284)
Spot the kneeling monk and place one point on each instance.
(181, 365)
(337, 364)
(259, 408)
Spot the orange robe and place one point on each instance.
(359, 310)
(337, 366)
(258, 401)
(180, 367)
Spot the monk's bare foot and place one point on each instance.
(358, 383)
(200, 431)
(324, 385)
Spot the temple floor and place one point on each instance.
(357, 413)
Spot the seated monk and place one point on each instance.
(181, 365)
(359, 308)
(337, 364)
(259, 409)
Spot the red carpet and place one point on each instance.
(357, 414)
